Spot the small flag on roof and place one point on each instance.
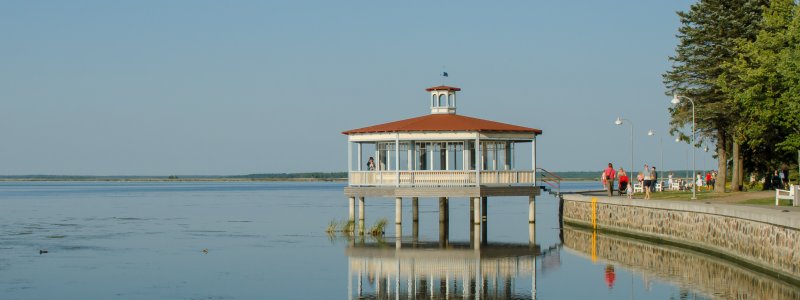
(444, 74)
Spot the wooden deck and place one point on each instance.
(469, 191)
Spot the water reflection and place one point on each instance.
(689, 270)
(413, 269)
(461, 270)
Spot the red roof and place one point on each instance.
(443, 88)
(444, 122)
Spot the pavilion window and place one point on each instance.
(403, 163)
(455, 157)
(436, 156)
(470, 147)
(388, 159)
(421, 152)
(499, 161)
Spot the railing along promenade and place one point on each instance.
(439, 178)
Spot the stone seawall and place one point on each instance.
(711, 276)
(763, 238)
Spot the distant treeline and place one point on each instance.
(312, 175)
(265, 176)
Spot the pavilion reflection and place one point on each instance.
(708, 275)
(426, 270)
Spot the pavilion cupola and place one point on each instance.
(443, 99)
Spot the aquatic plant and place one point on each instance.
(331, 226)
(347, 226)
(344, 226)
(377, 229)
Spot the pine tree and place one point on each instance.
(708, 38)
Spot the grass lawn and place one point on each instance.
(766, 201)
(686, 195)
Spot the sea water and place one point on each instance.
(268, 240)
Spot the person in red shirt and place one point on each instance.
(623, 181)
(609, 174)
(708, 181)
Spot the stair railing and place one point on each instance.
(550, 179)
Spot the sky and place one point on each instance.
(241, 87)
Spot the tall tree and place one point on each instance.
(790, 68)
(708, 37)
(762, 85)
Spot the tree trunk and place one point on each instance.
(735, 176)
(722, 158)
(741, 171)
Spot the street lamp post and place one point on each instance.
(675, 100)
(660, 146)
(619, 122)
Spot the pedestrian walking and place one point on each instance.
(609, 174)
(623, 181)
(648, 180)
(653, 178)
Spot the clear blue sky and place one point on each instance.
(236, 87)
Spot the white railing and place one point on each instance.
(439, 178)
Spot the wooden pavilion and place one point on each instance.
(440, 155)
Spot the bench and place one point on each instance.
(791, 195)
(637, 188)
(676, 185)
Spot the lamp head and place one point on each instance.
(651, 132)
(705, 149)
(618, 121)
(675, 99)
(677, 139)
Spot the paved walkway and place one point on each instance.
(731, 199)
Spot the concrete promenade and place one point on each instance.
(761, 237)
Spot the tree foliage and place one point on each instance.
(708, 37)
(761, 86)
(710, 32)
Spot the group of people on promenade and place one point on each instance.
(648, 177)
(778, 180)
(649, 180)
(708, 180)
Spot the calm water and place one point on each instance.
(268, 241)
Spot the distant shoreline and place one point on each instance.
(211, 179)
(136, 179)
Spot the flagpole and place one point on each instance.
(444, 74)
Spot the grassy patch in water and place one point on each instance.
(378, 229)
(344, 226)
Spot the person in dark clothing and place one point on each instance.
(776, 181)
(785, 178)
(654, 178)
